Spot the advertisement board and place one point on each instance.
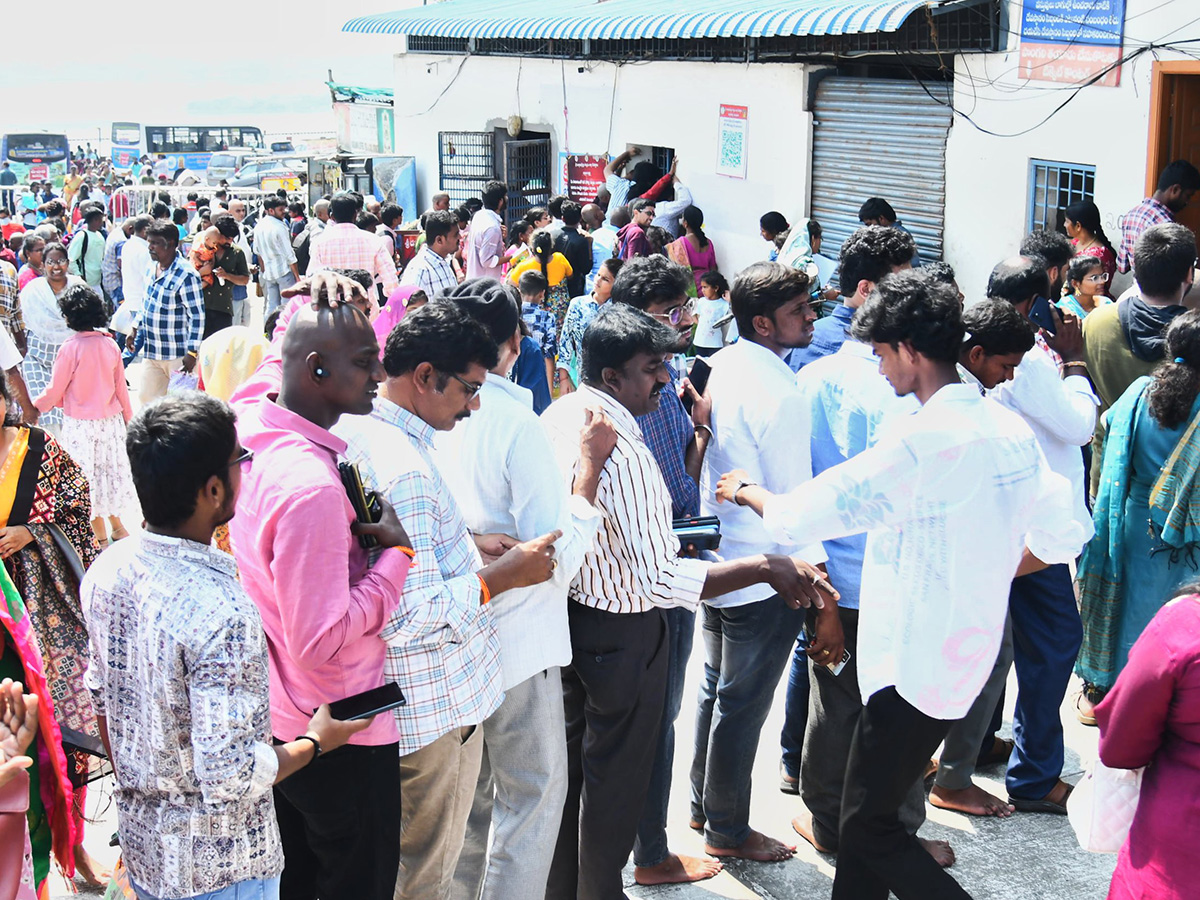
(1072, 41)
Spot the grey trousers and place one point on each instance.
(519, 795)
(957, 762)
(437, 786)
(834, 707)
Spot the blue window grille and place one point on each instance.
(1053, 186)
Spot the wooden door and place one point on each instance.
(1175, 126)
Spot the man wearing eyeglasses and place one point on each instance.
(678, 441)
(760, 423)
(441, 643)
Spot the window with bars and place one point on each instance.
(1053, 186)
(466, 162)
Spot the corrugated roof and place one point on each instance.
(628, 19)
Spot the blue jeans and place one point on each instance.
(271, 291)
(1047, 634)
(253, 889)
(746, 648)
(795, 710)
(651, 848)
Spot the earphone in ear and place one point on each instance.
(319, 372)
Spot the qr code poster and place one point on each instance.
(731, 140)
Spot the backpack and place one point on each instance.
(300, 244)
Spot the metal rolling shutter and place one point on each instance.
(879, 138)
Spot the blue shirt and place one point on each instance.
(172, 317)
(850, 402)
(530, 373)
(916, 257)
(828, 336)
(667, 432)
(543, 328)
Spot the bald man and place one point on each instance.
(440, 200)
(323, 605)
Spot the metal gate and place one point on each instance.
(527, 174)
(879, 138)
(466, 162)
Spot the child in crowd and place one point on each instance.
(711, 309)
(538, 319)
(88, 382)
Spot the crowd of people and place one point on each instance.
(459, 477)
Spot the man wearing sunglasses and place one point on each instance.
(441, 642)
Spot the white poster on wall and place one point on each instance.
(731, 140)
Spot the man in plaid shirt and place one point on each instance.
(172, 314)
(1176, 185)
(343, 245)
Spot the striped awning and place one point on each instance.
(629, 19)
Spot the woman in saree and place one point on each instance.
(45, 328)
(1147, 511)
(46, 544)
(694, 251)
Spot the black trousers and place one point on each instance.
(892, 745)
(339, 820)
(613, 696)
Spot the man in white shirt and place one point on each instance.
(615, 688)
(759, 425)
(135, 266)
(276, 257)
(1047, 631)
(954, 499)
(430, 269)
(495, 465)
(485, 239)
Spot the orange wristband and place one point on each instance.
(407, 551)
(487, 592)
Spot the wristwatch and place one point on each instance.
(738, 490)
(316, 745)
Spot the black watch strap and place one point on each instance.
(316, 745)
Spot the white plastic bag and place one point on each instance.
(182, 381)
(1102, 806)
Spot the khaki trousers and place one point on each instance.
(437, 788)
(156, 375)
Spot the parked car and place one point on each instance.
(253, 171)
(224, 164)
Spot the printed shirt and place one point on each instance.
(346, 246)
(431, 273)
(1133, 223)
(178, 665)
(849, 402)
(10, 309)
(273, 244)
(668, 431)
(761, 425)
(495, 464)
(110, 267)
(543, 328)
(936, 573)
(634, 564)
(580, 312)
(172, 317)
(322, 606)
(441, 646)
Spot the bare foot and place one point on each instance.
(803, 826)
(676, 869)
(974, 801)
(758, 847)
(88, 870)
(941, 851)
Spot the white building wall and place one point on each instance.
(670, 104)
(987, 177)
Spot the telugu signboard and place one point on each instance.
(731, 140)
(1072, 41)
(582, 175)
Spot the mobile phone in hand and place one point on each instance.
(698, 376)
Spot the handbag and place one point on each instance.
(120, 887)
(1102, 806)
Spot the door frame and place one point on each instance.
(1160, 72)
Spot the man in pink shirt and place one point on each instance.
(323, 605)
(485, 241)
(343, 245)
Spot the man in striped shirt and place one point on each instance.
(615, 687)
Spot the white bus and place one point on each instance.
(184, 146)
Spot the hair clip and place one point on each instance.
(1180, 360)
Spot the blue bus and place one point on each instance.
(36, 156)
(184, 146)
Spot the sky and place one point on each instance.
(251, 62)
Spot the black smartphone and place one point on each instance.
(701, 532)
(1041, 314)
(366, 504)
(698, 376)
(368, 703)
